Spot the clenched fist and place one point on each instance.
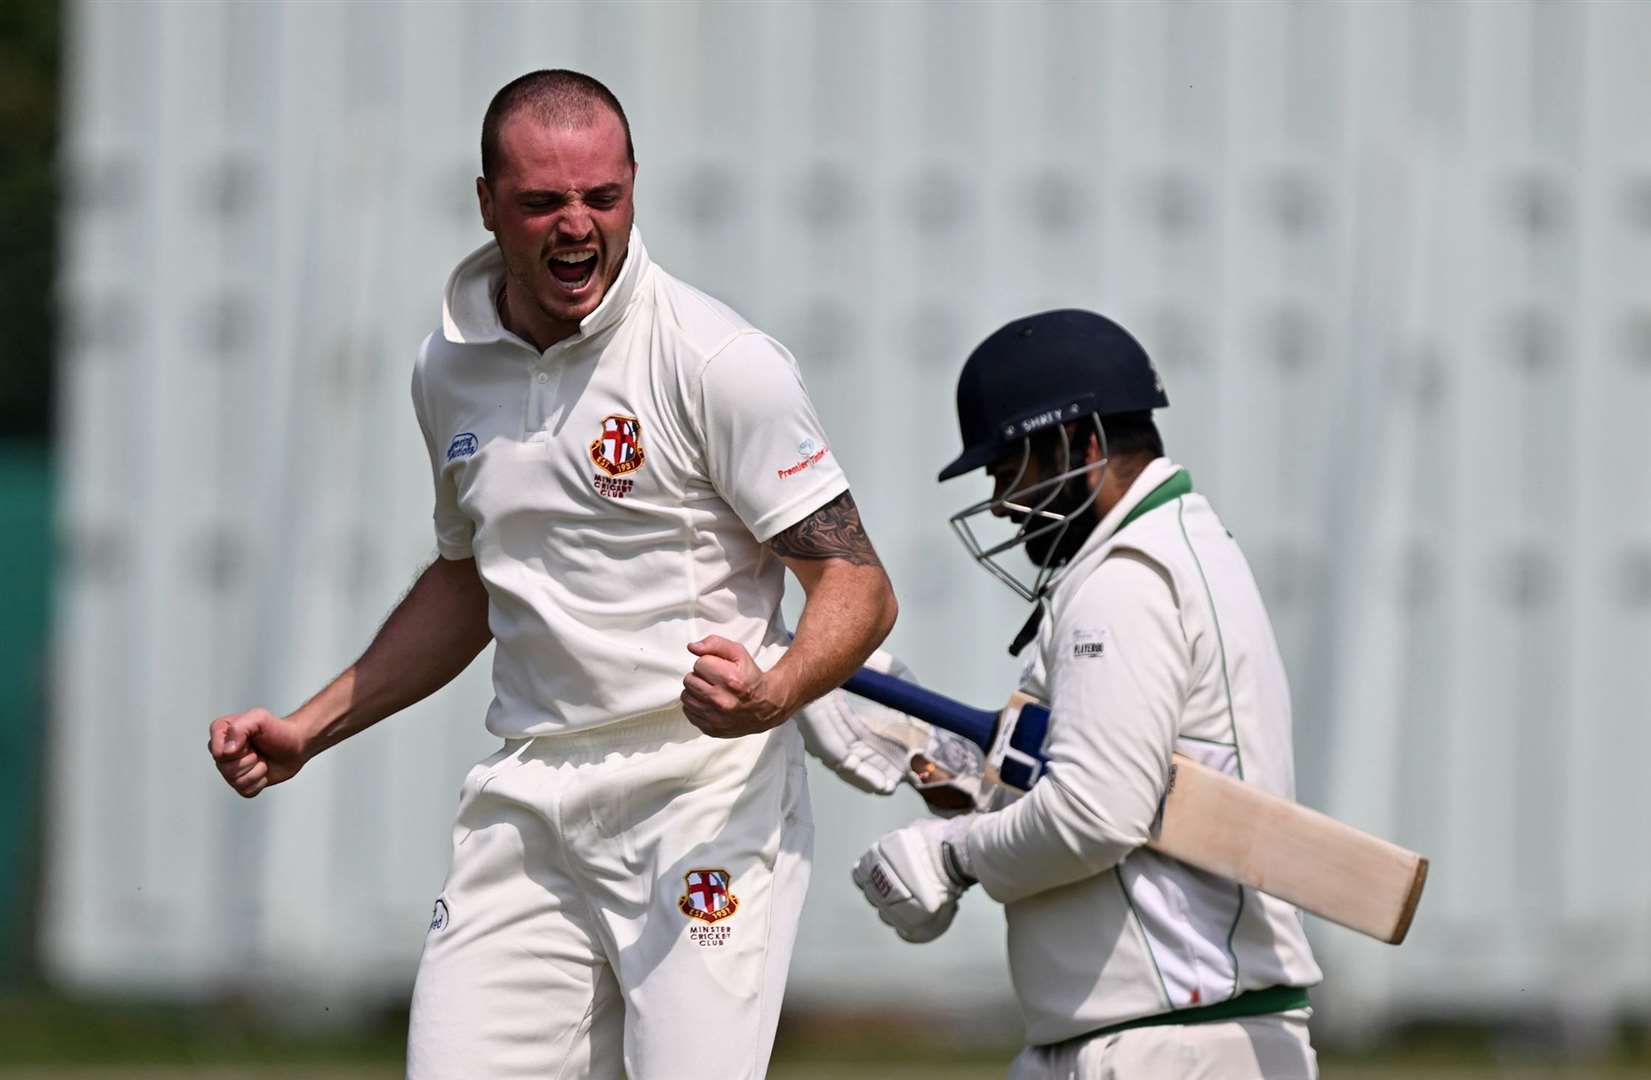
(255, 749)
(727, 695)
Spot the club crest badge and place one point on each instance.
(618, 450)
(707, 897)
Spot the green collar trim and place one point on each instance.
(1176, 486)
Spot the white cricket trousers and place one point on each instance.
(622, 903)
(1274, 1047)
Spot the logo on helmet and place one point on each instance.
(1022, 428)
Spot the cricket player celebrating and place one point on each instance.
(623, 470)
(1151, 639)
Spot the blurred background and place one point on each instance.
(1393, 260)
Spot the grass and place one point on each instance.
(43, 1037)
(1333, 1069)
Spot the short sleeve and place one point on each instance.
(454, 529)
(765, 451)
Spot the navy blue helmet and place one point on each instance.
(1048, 369)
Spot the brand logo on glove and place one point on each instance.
(438, 917)
(707, 897)
(880, 881)
(618, 450)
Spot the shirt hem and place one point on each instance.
(777, 521)
(669, 724)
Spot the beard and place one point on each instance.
(1055, 547)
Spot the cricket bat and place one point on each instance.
(1208, 820)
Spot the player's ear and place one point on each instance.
(484, 199)
(1092, 452)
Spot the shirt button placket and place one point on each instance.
(538, 404)
(545, 384)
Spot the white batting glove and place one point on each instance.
(913, 876)
(867, 744)
(875, 748)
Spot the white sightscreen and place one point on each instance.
(1392, 259)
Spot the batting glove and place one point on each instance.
(876, 748)
(914, 876)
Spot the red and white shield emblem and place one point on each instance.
(618, 450)
(707, 897)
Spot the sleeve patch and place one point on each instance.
(463, 445)
(1090, 643)
(808, 454)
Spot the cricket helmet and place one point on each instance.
(1061, 371)
(1043, 370)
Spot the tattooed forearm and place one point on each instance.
(831, 532)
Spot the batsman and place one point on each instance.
(1149, 638)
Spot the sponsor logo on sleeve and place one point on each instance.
(463, 445)
(1088, 644)
(808, 452)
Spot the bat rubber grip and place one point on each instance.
(976, 725)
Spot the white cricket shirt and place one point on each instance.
(616, 489)
(1155, 641)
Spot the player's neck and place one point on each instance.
(1112, 491)
(1116, 480)
(526, 321)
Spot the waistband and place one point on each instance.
(1273, 999)
(632, 733)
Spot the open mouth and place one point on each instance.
(573, 269)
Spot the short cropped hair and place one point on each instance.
(1132, 442)
(1132, 434)
(559, 98)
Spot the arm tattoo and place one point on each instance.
(831, 532)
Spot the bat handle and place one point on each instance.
(976, 725)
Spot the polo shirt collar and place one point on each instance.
(470, 313)
(1162, 481)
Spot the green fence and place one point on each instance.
(26, 556)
